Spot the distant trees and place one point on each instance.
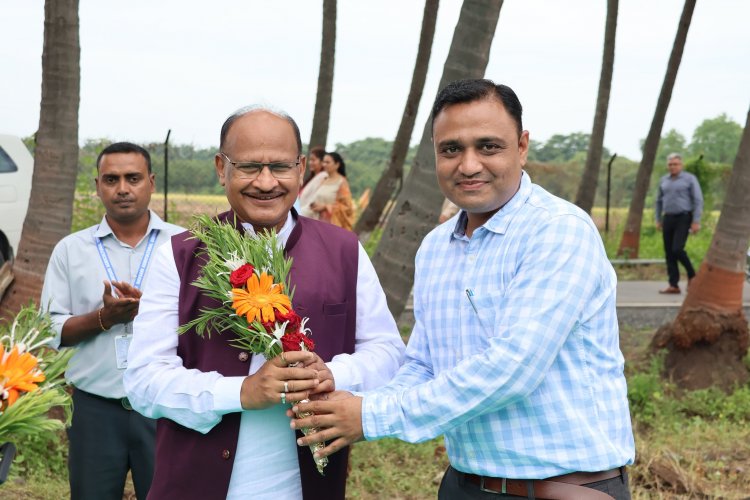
(717, 139)
(50, 209)
(587, 188)
(631, 236)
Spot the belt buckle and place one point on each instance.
(125, 402)
(487, 490)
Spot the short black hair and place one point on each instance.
(470, 90)
(124, 147)
(249, 109)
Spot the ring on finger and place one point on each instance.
(286, 387)
(283, 398)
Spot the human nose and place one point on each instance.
(471, 163)
(123, 186)
(265, 179)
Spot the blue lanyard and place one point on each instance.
(144, 260)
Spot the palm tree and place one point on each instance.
(709, 338)
(50, 209)
(631, 236)
(419, 201)
(319, 134)
(394, 173)
(590, 178)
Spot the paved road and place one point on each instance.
(639, 304)
(646, 294)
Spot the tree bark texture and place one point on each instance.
(418, 203)
(394, 172)
(49, 215)
(322, 116)
(631, 237)
(590, 179)
(711, 324)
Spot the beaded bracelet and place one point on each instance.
(101, 325)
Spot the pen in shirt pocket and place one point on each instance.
(470, 295)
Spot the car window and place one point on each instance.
(6, 164)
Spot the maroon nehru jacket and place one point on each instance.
(191, 465)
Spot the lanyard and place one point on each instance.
(144, 260)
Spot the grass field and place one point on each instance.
(691, 446)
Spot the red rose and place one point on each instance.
(270, 326)
(291, 341)
(239, 276)
(294, 321)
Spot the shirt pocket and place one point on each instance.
(479, 321)
(334, 330)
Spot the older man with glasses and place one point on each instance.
(223, 431)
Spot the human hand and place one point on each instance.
(265, 387)
(338, 420)
(327, 383)
(658, 226)
(695, 227)
(120, 309)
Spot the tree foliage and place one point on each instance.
(717, 139)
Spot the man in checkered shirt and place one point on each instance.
(514, 356)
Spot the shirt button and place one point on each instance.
(243, 356)
(472, 258)
(225, 454)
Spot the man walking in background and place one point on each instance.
(679, 205)
(107, 438)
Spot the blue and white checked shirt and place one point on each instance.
(531, 384)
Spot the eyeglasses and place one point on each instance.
(251, 169)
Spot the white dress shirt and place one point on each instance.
(158, 384)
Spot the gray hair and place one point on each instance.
(674, 156)
(252, 109)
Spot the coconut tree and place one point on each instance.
(322, 115)
(50, 209)
(631, 236)
(590, 178)
(419, 201)
(708, 339)
(394, 172)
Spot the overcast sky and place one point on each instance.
(148, 66)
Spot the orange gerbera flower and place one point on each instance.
(18, 373)
(260, 299)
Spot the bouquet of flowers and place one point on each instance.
(249, 277)
(31, 379)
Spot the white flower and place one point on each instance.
(234, 262)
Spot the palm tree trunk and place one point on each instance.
(418, 204)
(590, 179)
(50, 209)
(709, 338)
(393, 174)
(321, 118)
(631, 236)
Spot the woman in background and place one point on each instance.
(312, 182)
(332, 200)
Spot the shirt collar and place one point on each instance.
(282, 234)
(500, 221)
(154, 222)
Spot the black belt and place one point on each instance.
(123, 402)
(565, 487)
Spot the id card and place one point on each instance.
(122, 343)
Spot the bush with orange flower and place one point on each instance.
(31, 377)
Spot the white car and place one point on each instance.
(16, 169)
